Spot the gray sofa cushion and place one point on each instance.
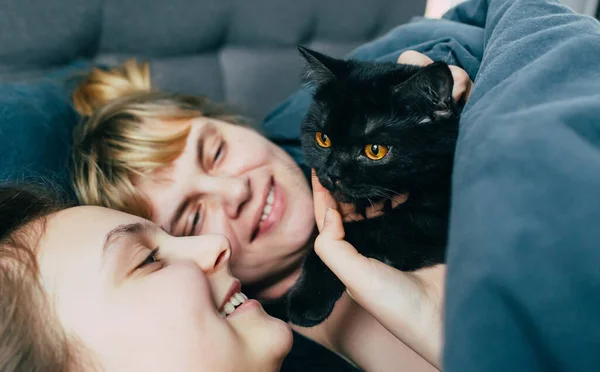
(240, 52)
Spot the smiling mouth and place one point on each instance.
(235, 301)
(267, 209)
(268, 205)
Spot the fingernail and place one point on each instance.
(328, 217)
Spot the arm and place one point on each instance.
(374, 348)
(355, 335)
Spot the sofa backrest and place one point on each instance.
(242, 52)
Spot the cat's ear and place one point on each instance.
(435, 83)
(319, 69)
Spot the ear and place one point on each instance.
(319, 68)
(434, 83)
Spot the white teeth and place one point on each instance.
(268, 205)
(267, 209)
(228, 308)
(235, 301)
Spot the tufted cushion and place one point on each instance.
(240, 52)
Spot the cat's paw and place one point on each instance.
(307, 308)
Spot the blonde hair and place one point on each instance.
(128, 131)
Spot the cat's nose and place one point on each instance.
(334, 180)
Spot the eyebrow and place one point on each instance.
(207, 130)
(122, 231)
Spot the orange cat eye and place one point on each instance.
(323, 140)
(376, 152)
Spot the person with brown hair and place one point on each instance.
(94, 289)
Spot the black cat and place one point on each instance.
(375, 130)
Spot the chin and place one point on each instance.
(282, 342)
(272, 342)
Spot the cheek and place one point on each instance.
(171, 308)
(175, 295)
(300, 214)
(245, 141)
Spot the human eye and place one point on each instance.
(214, 150)
(219, 152)
(196, 221)
(152, 259)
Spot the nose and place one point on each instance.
(332, 173)
(334, 179)
(233, 193)
(210, 252)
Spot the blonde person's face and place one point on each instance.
(231, 180)
(135, 309)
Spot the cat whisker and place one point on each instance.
(387, 195)
(371, 202)
(384, 194)
(390, 190)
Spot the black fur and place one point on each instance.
(407, 108)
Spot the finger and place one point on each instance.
(340, 256)
(436, 9)
(462, 84)
(369, 281)
(376, 209)
(322, 200)
(346, 209)
(343, 259)
(411, 57)
(333, 228)
(396, 299)
(352, 217)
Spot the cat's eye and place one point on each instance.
(376, 152)
(323, 140)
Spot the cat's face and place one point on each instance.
(378, 129)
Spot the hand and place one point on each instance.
(462, 81)
(408, 305)
(437, 8)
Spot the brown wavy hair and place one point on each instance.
(31, 338)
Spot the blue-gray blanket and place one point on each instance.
(523, 285)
